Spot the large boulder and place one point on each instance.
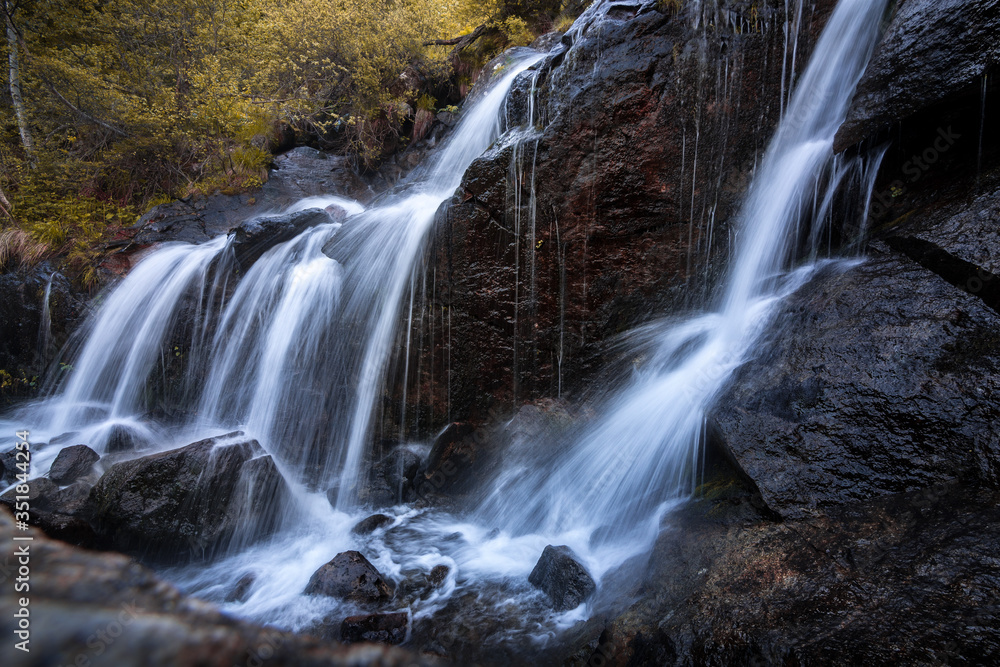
(879, 379)
(191, 501)
(614, 204)
(932, 50)
(72, 463)
(349, 576)
(561, 576)
(105, 608)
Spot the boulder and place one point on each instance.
(561, 576)
(349, 576)
(932, 50)
(253, 237)
(375, 628)
(40, 495)
(122, 439)
(72, 463)
(888, 384)
(189, 501)
(79, 596)
(371, 524)
(241, 591)
(392, 478)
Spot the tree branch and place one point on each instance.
(82, 113)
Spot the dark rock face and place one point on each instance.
(77, 594)
(72, 463)
(376, 628)
(253, 237)
(27, 343)
(562, 578)
(349, 576)
(882, 379)
(647, 131)
(189, 501)
(932, 49)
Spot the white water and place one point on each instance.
(297, 355)
(644, 449)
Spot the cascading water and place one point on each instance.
(644, 451)
(297, 354)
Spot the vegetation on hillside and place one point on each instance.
(112, 106)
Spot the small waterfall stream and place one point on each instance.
(296, 355)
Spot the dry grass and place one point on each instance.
(19, 249)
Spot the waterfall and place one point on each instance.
(296, 355)
(645, 448)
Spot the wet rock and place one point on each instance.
(27, 346)
(72, 463)
(253, 237)
(926, 56)
(189, 501)
(438, 574)
(622, 226)
(8, 467)
(307, 172)
(375, 628)
(451, 454)
(241, 591)
(392, 479)
(78, 594)
(40, 495)
(888, 384)
(349, 576)
(561, 576)
(125, 439)
(371, 524)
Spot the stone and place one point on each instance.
(438, 574)
(190, 501)
(560, 575)
(72, 463)
(78, 594)
(253, 237)
(929, 53)
(349, 576)
(371, 524)
(241, 591)
(123, 439)
(888, 385)
(375, 628)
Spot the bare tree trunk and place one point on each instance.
(15, 86)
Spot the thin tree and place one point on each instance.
(15, 82)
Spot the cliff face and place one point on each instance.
(615, 206)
